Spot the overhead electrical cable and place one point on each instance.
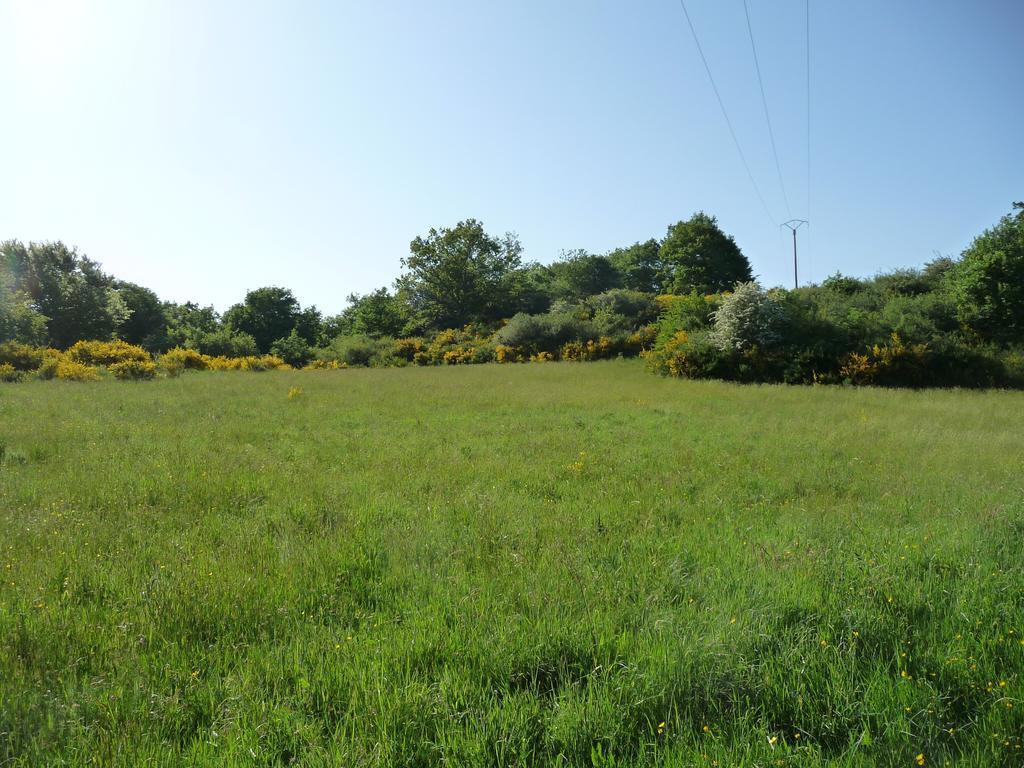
(807, 11)
(764, 103)
(725, 114)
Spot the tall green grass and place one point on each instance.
(560, 564)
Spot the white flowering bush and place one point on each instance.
(748, 317)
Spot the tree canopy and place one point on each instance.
(454, 275)
(696, 255)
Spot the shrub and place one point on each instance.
(70, 370)
(692, 356)
(410, 349)
(224, 342)
(591, 349)
(749, 317)
(293, 349)
(249, 363)
(536, 333)
(689, 312)
(21, 357)
(324, 365)
(133, 370)
(894, 364)
(105, 352)
(359, 350)
(180, 359)
(9, 374)
(460, 346)
(642, 339)
(506, 354)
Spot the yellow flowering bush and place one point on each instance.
(459, 346)
(591, 349)
(642, 338)
(248, 363)
(70, 370)
(9, 373)
(180, 359)
(506, 354)
(412, 350)
(105, 352)
(133, 370)
(325, 365)
(21, 357)
(891, 364)
(542, 357)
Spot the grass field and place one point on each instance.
(560, 564)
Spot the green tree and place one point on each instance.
(293, 349)
(376, 314)
(579, 274)
(639, 266)
(987, 284)
(697, 255)
(266, 314)
(146, 324)
(78, 300)
(188, 322)
(454, 276)
(309, 324)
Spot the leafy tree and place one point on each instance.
(146, 324)
(455, 275)
(266, 314)
(376, 314)
(293, 349)
(987, 284)
(18, 320)
(309, 324)
(697, 255)
(579, 274)
(188, 322)
(71, 291)
(525, 289)
(223, 341)
(639, 266)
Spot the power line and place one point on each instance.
(725, 114)
(807, 9)
(764, 103)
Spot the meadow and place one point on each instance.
(516, 565)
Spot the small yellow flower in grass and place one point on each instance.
(732, 620)
(294, 392)
(772, 741)
(797, 735)
(919, 759)
(706, 729)
(661, 727)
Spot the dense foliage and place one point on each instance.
(687, 302)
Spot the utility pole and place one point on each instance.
(794, 225)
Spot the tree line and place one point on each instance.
(51, 295)
(686, 300)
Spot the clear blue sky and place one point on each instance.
(206, 147)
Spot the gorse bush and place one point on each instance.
(105, 352)
(21, 357)
(70, 370)
(182, 359)
(133, 370)
(8, 373)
